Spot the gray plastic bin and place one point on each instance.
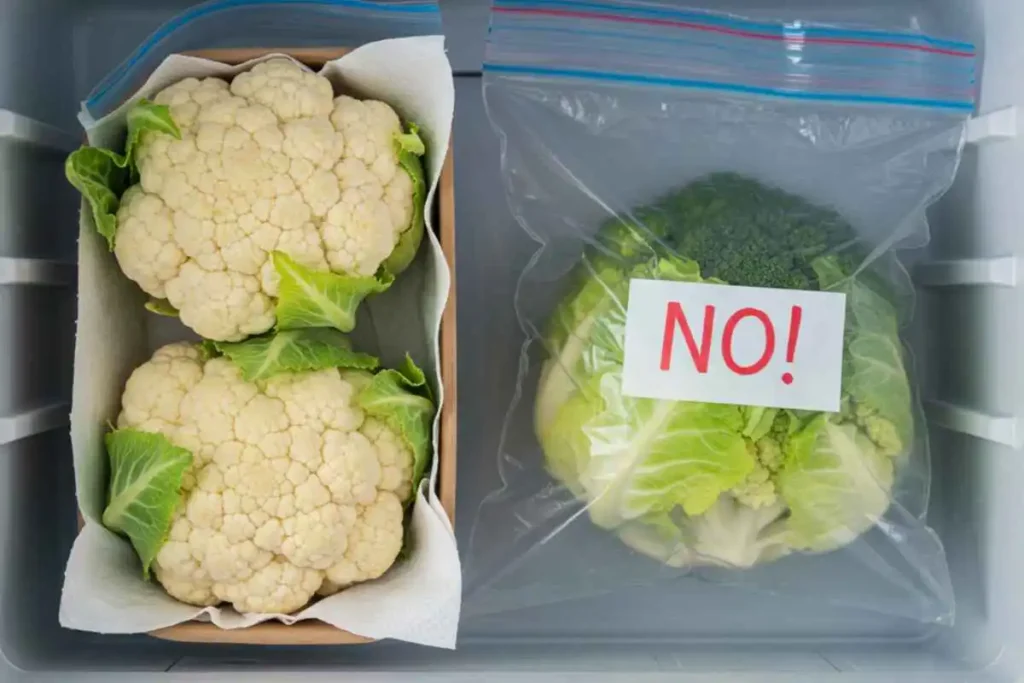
(970, 322)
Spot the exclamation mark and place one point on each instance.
(795, 316)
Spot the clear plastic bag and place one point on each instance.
(644, 141)
(264, 23)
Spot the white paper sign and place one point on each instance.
(779, 348)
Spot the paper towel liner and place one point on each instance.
(419, 599)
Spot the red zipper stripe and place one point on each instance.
(568, 14)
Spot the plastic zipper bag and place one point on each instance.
(263, 23)
(642, 142)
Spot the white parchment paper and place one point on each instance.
(419, 599)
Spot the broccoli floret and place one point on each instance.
(758, 489)
(746, 233)
(781, 427)
(769, 453)
(882, 432)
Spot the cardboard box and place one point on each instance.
(314, 632)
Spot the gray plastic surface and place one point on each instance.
(970, 327)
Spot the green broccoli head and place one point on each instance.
(692, 483)
(739, 231)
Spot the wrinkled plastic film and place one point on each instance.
(263, 23)
(643, 141)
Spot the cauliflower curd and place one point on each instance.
(271, 162)
(296, 484)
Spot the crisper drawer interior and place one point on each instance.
(968, 324)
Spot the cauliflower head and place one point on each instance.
(692, 483)
(295, 484)
(226, 175)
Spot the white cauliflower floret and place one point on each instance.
(290, 92)
(220, 304)
(146, 248)
(292, 488)
(155, 391)
(270, 162)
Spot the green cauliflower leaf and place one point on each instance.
(146, 472)
(836, 483)
(874, 373)
(102, 175)
(310, 298)
(262, 357)
(161, 307)
(401, 398)
(411, 149)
